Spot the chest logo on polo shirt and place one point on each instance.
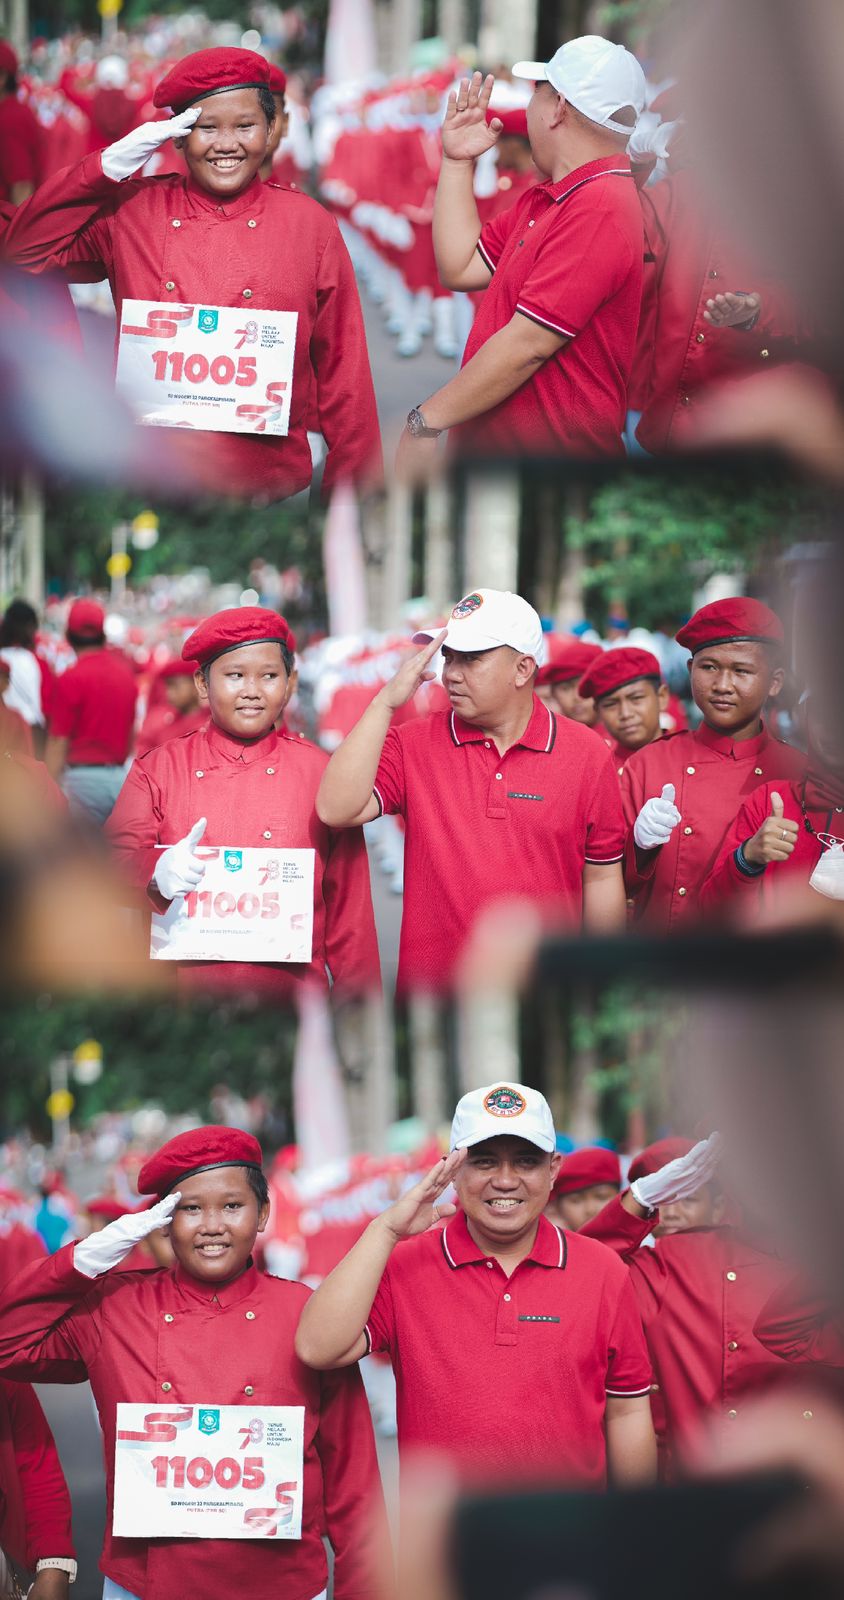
(207, 321)
(209, 1421)
(233, 860)
(465, 607)
(519, 794)
(504, 1102)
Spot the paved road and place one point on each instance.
(400, 382)
(70, 1410)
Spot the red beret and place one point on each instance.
(177, 668)
(278, 79)
(615, 668)
(207, 72)
(86, 619)
(658, 1155)
(8, 59)
(513, 120)
(104, 1205)
(200, 1150)
(582, 1169)
(227, 630)
(726, 621)
(569, 658)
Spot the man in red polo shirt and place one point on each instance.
(501, 798)
(517, 1347)
(35, 1517)
(681, 794)
(587, 1180)
(626, 688)
(92, 716)
(546, 365)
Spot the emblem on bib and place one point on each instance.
(465, 607)
(504, 1102)
(233, 860)
(207, 321)
(209, 1421)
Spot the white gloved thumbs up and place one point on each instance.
(178, 871)
(657, 820)
(102, 1251)
(128, 155)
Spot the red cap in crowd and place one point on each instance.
(728, 621)
(8, 59)
(228, 630)
(614, 668)
(278, 79)
(104, 1205)
(583, 1169)
(570, 658)
(208, 72)
(199, 1150)
(85, 620)
(513, 121)
(177, 668)
(658, 1155)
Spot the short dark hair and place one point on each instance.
(258, 1184)
(85, 641)
(287, 657)
(267, 104)
(19, 622)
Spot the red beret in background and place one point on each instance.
(177, 668)
(208, 72)
(614, 668)
(199, 1150)
(724, 621)
(86, 619)
(106, 1206)
(8, 59)
(569, 658)
(278, 79)
(582, 1169)
(658, 1155)
(227, 630)
(513, 120)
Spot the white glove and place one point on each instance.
(125, 156)
(106, 1249)
(679, 1178)
(656, 820)
(647, 142)
(178, 871)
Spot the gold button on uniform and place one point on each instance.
(168, 1316)
(248, 1389)
(681, 891)
(731, 1277)
(690, 771)
(176, 223)
(270, 771)
(251, 223)
(732, 1345)
(700, 337)
(166, 1387)
(758, 771)
(250, 1316)
(808, 1415)
(267, 834)
(764, 354)
(247, 294)
(687, 831)
(732, 1413)
(199, 774)
(170, 284)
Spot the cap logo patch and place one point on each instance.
(465, 607)
(504, 1102)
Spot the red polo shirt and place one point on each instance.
(509, 1376)
(94, 707)
(483, 827)
(569, 256)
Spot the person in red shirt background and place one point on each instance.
(35, 1513)
(558, 679)
(20, 136)
(547, 361)
(182, 711)
(588, 1178)
(680, 794)
(92, 717)
(626, 688)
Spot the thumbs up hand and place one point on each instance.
(776, 838)
(178, 871)
(657, 820)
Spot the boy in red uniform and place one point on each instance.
(219, 237)
(626, 688)
(681, 793)
(182, 711)
(35, 1525)
(238, 783)
(212, 1330)
(586, 1181)
(558, 679)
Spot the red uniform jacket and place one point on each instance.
(251, 793)
(230, 1345)
(699, 1294)
(34, 1500)
(727, 887)
(798, 1324)
(273, 249)
(711, 774)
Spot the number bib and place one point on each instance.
(252, 905)
(215, 368)
(208, 1472)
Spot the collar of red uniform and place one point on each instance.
(459, 1248)
(225, 1295)
(250, 199)
(617, 166)
(737, 749)
(539, 734)
(223, 745)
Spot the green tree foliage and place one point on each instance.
(630, 1035)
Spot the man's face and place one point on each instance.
(702, 1210)
(566, 700)
(503, 1187)
(573, 1211)
(631, 714)
(228, 142)
(278, 131)
(215, 1224)
(181, 692)
(481, 684)
(542, 113)
(247, 690)
(730, 684)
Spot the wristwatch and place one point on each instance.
(57, 1564)
(418, 428)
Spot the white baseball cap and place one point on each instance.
(503, 1108)
(488, 618)
(595, 76)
